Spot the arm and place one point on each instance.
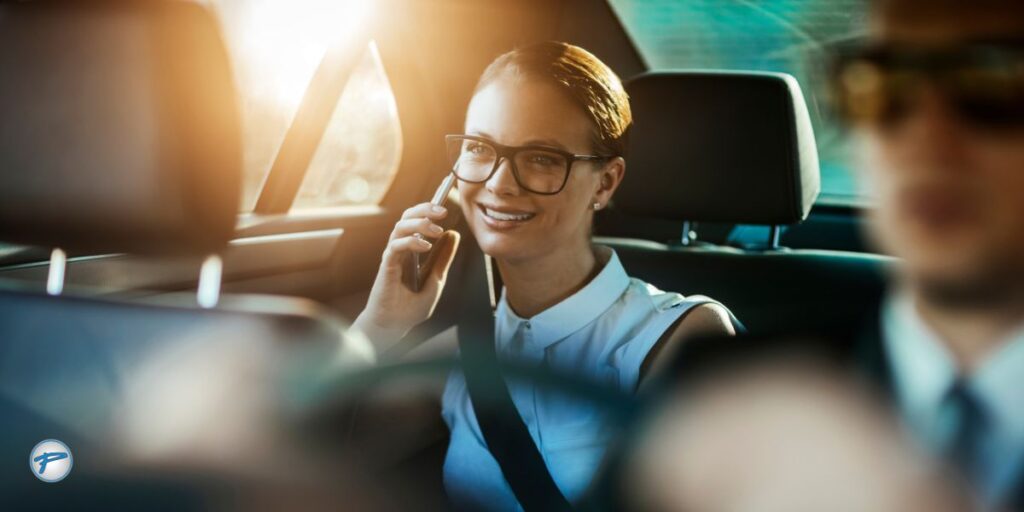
(706, 320)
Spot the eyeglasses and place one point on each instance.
(982, 82)
(538, 169)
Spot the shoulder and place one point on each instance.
(695, 313)
(649, 296)
(669, 319)
(707, 320)
(652, 312)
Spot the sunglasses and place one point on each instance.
(879, 84)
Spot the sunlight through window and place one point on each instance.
(276, 46)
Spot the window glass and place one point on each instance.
(276, 46)
(761, 35)
(360, 149)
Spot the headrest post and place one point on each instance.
(208, 292)
(773, 237)
(687, 234)
(55, 275)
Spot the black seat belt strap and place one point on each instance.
(506, 434)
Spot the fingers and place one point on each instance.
(417, 220)
(427, 210)
(422, 226)
(420, 219)
(399, 247)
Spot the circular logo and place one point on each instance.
(51, 460)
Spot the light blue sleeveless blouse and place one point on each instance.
(602, 332)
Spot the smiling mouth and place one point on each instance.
(506, 216)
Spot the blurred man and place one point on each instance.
(936, 97)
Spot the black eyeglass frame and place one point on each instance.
(509, 152)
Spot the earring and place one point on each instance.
(597, 206)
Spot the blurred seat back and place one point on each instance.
(119, 132)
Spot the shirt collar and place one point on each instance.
(924, 371)
(575, 312)
(1000, 380)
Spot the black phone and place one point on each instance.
(419, 265)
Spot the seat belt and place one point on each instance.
(504, 431)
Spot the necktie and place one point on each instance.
(970, 423)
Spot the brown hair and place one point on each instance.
(588, 82)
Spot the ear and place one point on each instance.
(610, 176)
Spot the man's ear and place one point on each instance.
(611, 177)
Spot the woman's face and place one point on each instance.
(518, 112)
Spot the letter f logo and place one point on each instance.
(48, 457)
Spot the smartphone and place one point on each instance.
(419, 265)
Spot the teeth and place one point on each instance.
(506, 216)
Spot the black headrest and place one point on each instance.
(719, 147)
(119, 127)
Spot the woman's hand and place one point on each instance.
(393, 309)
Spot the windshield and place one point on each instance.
(759, 35)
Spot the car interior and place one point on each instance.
(151, 202)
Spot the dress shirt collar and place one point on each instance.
(924, 371)
(573, 313)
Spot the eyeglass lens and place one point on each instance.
(536, 170)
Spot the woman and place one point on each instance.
(543, 150)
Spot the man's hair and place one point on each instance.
(587, 81)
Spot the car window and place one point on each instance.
(276, 47)
(359, 153)
(762, 35)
